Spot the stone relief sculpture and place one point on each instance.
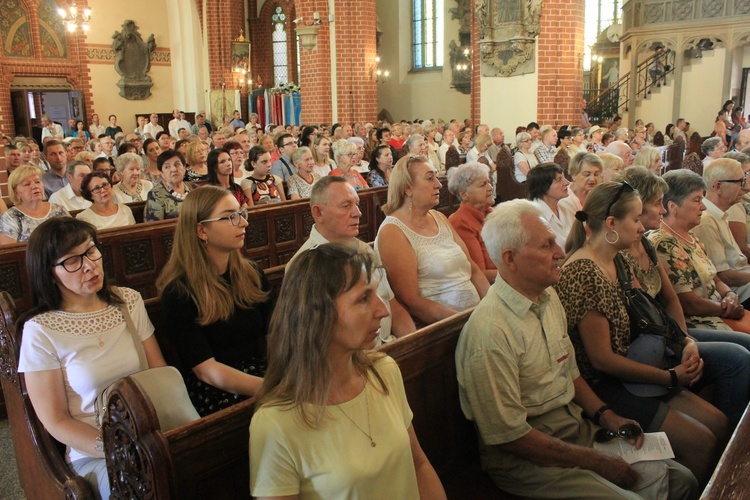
(507, 30)
(133, 62)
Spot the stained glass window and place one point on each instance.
(279, 47)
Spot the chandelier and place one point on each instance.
(72, 19)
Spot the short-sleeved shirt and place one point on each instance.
(299, 186)
(263, 190)
(520, 157)
(514, 361)
(689, 270)
(335, 460)
(123, 217)
(283, 168)
(19, 226)
(583, 287)
(92, 349)
(714, 233)
(740, 212)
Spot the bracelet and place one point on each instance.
(674, 382)
(598, 415)
(99, 444)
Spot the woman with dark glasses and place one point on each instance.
(600, 329)
(217, 302)
(76, 341)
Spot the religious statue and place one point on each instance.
(133, 61)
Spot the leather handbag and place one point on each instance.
(164, 385)
(655, 337)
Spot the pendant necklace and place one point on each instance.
(369, 433)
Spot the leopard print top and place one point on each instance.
(584, 287)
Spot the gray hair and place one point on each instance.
(620, 133)
(710, 144)
(522, 136)
(503, 229)
(341, 147)
(126, 159)
(719, 170)
(743, 158)
(681, 183)
(412, 140)
(461, 177)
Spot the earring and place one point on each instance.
(617, 237)
(409, 204)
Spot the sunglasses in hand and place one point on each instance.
(627, 431)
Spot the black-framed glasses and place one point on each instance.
(623, 185)
(234, 217)
(742, 181)
(627, 431)
(289, 144)
(74, 263)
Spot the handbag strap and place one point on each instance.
(133, 332)
(622, 276)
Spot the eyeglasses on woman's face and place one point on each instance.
(234, 218)
(75, 262)
(106, 186)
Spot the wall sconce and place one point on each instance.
(308, 32)
(73, 20)
(464, 66)
(308, 36)
(378, 75)
(245, 83)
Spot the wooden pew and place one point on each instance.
(135, 255)
(209, 457)
(730, 476)
(39, 457)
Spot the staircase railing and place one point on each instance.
(650, 73)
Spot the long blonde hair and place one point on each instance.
(302, 327)
(189, 268)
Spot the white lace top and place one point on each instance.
(92, 350)
(443, 271)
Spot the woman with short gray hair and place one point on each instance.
(131, 188)
(471, 183)
(713, 148)
(707, 301)
(524, 160)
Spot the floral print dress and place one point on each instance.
(689, 270)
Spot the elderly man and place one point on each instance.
(13, 158)
(135, 139)
(54, 179)
(335, 208)
(448, 140)
(51, 129)
(519, 382)
(108, 147)
(740, 142)
(283, 167)
(152, 127)
(621, 149)
(70, 196)
(498, 142)
(724, 181)
(546, 152)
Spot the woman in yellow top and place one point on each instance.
(326, 390)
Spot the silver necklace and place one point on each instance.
(369, 433)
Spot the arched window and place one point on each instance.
(427, 34)
(279, 47)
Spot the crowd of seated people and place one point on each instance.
(424, 267)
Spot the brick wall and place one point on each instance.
(560, 53)
(355, 55)
(74, 68)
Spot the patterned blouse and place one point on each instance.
(299, 186)
(583, 287)
(689, 270)
(17, 225)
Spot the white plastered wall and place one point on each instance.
(509, 102)
(107, 18)
(416, 95)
